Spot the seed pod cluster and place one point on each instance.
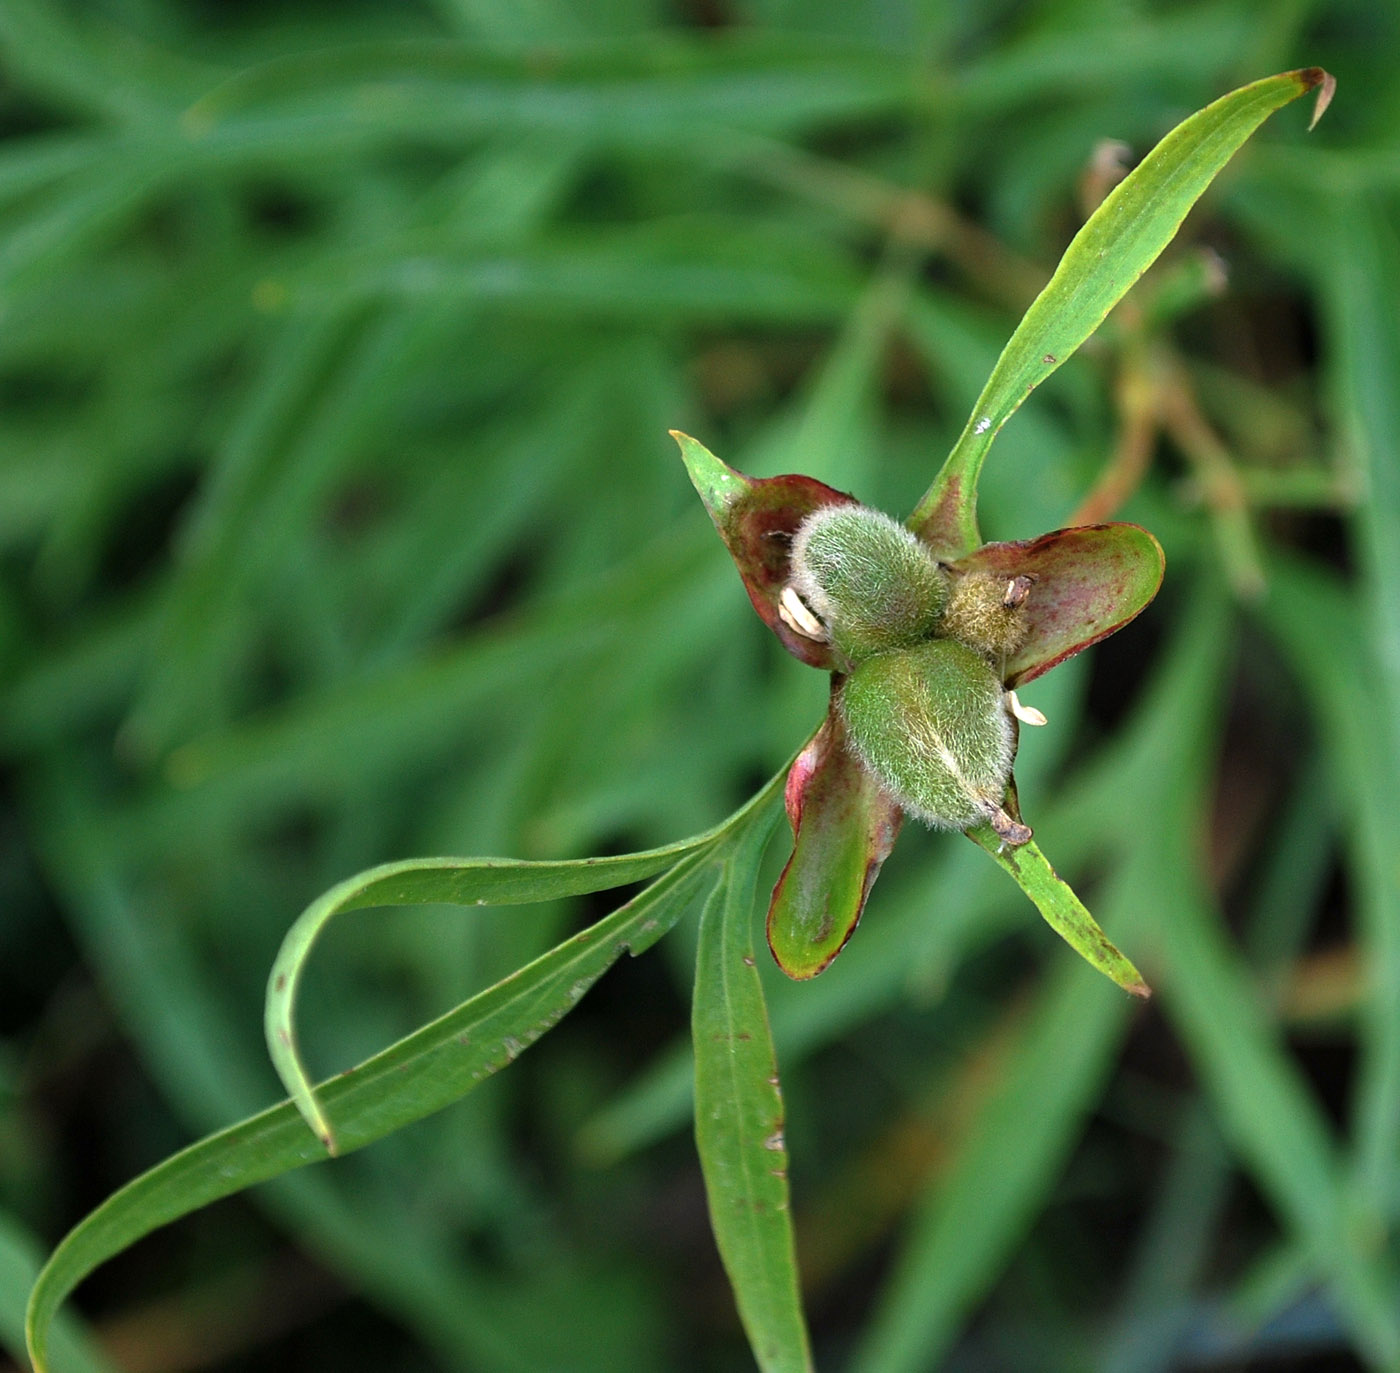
(923, 650)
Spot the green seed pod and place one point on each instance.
(867, 579)
(985, 613)
(930, 722)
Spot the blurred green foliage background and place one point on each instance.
(338, 523)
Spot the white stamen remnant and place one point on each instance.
(794, 612)
(1027, 715)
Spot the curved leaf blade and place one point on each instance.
(428, 881)
(74, 1348)
(1119, 241)
(413, 1078)
(739, 1120)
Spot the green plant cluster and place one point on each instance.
(923, 705)
(338, 524)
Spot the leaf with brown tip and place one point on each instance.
(1120, 240)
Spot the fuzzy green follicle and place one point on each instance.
(985, 612)
(867, 582)
(930, 722)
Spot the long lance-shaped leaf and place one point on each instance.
(1120, 240)
(413, 1078)
(1064, 912)
(1263, 1104)
(739, 1120)
(453, 881)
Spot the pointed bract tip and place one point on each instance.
(1326, 85)
(719, 484)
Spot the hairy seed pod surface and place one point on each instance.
(985, 612)
(930, 722)
(870, 581)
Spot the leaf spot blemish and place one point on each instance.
(982, 425)
(774, 1141)
(1048, 359)
(748, 961)
(283, 1037)
(280, 983)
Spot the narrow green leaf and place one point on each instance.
(1317, 622)
(413, 1078)
(1356, 692)
(617, 276)
(1265, 1109)
(1001, 1172)
(456, 882)
(1062, 909)
(211, 1072)
(1120, 240)
(649, 90)
(739, 1119)
(1362, 258)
